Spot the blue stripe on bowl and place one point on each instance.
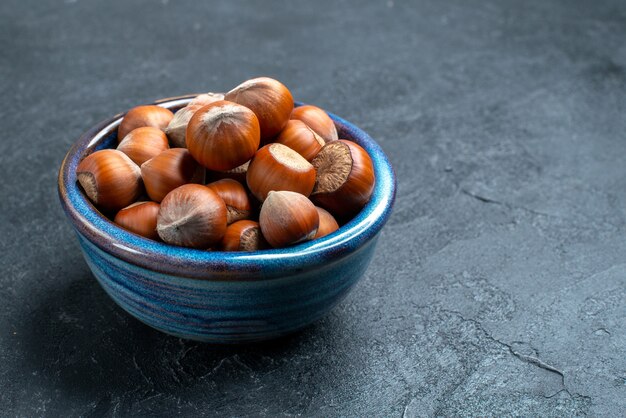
(220, 311)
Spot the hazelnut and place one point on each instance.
(151, 115)
(192, 215)
(300, 138)
(288, 218)
(244, 235)
(176, 130)
(143, 143)
(110, 179)
(206, 99)
(235, 197)
(168, 170)
(278, 167)
(327, 225)
(318, 120)
(269, 99)
(237, 173)
(140, 218)
(223, 135)
(345, 178)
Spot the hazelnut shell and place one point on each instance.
(139, 218)
(235, 197)
(278, 167)
(327, 224)
(192, 215)
(143, 143)
(223, 135)
(110, 179)
(151, 115)
(176, 130)
(300, 138)
(168, 170)
(318, 120)
(345, 178)
(244, 235)
(288, 218)
(269, 99)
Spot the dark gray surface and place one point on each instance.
(499, 284)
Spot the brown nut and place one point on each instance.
(143, 143)
(168, 170)
(300, 138)
(223, 135)
(110, 179)
(345, 178)
(140, 218)
(244, 235)
(155, 116)
(327, 225)
(278, 167)
(235, 197)
(288, 218)
(192, 215)
(269, 99)
(176, 130)
(318, 120)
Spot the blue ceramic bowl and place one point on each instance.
(224, 297)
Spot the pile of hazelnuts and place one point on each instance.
(240, 171)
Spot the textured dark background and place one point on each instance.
(499, 284)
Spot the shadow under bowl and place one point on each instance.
(222, 297)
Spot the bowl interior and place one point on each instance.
(193, 263)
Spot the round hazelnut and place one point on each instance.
(288, 218)
(244, 235)
(192, 215)
(345, 178)
(151, 115)
(327, 225)
(269, 99)
(235, 197)
(278, 167)
(223, 135)
(168, 170)
(143, 143)
(110, 179)
(300, 138)
(318, 120)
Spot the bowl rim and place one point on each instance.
(218, 265)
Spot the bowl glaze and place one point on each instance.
(224, 297)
